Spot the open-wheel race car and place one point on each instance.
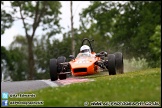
(87, 62)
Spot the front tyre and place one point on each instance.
(53, 69)
(111, 64)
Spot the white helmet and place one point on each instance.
(85, 49)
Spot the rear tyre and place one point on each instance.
(61, 59)
(111, 64)
(119, 62)
(53, 69)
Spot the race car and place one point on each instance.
(87, 62)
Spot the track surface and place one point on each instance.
(24, 86)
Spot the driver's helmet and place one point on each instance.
(85, 49)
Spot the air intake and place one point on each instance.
(80, 70)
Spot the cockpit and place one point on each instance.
(83, 55)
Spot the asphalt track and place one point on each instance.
(24, 86)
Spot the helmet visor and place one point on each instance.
(85, 50)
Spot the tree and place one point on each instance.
(19, 55)
(72, 30)
(10, 62)
(39, 13)
(4, 58)
(102, 14)
(6, 19)
(135, 26)
(155, 47)
(125, 27)
(14, 60)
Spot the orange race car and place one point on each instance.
(87, 62)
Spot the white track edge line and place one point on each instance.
(52, 84)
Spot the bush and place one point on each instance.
(135, 64)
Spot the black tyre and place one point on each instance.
(111, 64)
(61, 59)
(119, 62)
(53, 69)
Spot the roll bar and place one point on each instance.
(89, 43)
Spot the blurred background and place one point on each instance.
(48, 29)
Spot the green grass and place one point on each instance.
(136, 86)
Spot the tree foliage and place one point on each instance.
(155, 47)
(6, 19)
(16, 62)
(12, 65)
(128, 25)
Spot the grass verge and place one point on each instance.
(144, 85)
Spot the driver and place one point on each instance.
(85, 49)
